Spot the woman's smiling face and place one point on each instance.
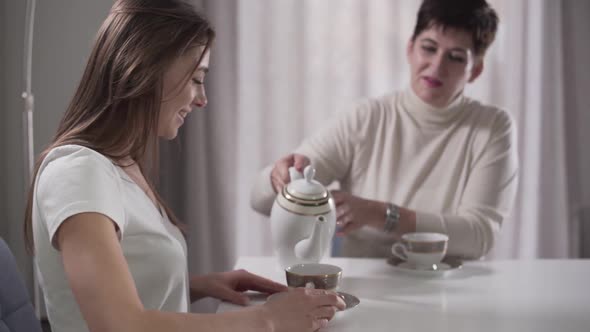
(180, 94)
(441, 63)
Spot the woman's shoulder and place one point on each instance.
(377, 103)
(367, 113)
(493, 115)
(370, 109)
(71, 156)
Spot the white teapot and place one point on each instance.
(302, 219)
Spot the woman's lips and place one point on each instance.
(182, 114)
(432, 82)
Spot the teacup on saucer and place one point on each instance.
(422, 249)
(314, 275)
(446, 266)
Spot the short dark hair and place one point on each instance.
(474, 16)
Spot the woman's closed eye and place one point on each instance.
(198, 81)
(457, 58)
(429, 49)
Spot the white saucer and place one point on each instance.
(447, 266)
(350, 300)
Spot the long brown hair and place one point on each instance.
(115, 109)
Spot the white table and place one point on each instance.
(532, 295)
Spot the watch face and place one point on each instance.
(391, 218)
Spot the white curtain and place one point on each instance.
(281, 68)
(524, 73)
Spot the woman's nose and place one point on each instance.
(200, 101)
(438, 62)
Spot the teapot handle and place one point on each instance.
(294, 174)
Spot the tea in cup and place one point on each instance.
(421, 249)
(314, 275)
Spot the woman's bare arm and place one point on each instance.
(104, 289)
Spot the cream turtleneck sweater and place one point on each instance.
(457, 167)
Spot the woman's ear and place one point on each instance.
(409, 47)
(476, 70)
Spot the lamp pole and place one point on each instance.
(29, 104)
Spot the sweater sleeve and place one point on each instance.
(330, 151)
(487, 198)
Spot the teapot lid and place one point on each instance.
(306, 189)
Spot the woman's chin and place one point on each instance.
(169, 135)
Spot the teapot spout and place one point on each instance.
(311, 248)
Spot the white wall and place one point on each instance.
(64, 34)
(11, 174)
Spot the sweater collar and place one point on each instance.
(428, 115)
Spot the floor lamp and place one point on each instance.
(28, 142)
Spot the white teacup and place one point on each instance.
(421, 249)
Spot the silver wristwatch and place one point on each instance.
(391, 218)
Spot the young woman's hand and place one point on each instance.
(229, 286)
(279, 175)
(303, 309)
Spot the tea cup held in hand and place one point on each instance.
(421, 249)
(314, 275)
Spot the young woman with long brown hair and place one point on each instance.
(109, 252)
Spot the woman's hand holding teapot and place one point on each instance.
(279, 176)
